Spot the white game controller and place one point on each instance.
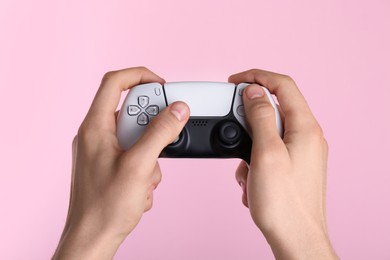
(216, 127)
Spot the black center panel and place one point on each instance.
(201, 138)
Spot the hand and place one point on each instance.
(284, 186)
(112, 188)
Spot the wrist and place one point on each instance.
(307, 242)
(88, 241)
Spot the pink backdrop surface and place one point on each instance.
(54, 53)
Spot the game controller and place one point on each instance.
(216, 127)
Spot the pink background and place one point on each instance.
(54, 53)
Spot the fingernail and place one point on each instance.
(254, 91)
(179, 110)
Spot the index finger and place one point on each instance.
(298, 116)
(113, 83)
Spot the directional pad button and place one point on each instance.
(143, 119)
(152, 110)
(133, 110)
(143, 101)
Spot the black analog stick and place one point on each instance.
(177, 140)
(229, 133)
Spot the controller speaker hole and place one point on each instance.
(199, 122)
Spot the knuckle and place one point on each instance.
(316, 130)
(108, 76)
(86, 127)
(164, 125)
(314, 134)
(149, 205)
(157, 178)
(84, 136)
(245, 201)
(75, 141)
(83, 130)
(326, 144)
(280, 80)
(268, 79)
(141, 68)
(89, 132)
(161, 126)
(287, 79)
(262, 110)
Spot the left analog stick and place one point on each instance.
(177, 139)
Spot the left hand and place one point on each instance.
(112, 188)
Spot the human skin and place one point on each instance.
(284, 187)
(112, 188)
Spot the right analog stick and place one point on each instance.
(229, 133)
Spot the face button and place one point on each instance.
(229, 133)
(152, 110)
(142, 119)
(143, 101)
(240, 91)
(133, 110)
(241, 110)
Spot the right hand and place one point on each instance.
(284, 186)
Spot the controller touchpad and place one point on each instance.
(210, 99)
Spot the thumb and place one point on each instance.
(162, 130)
(260, 115)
